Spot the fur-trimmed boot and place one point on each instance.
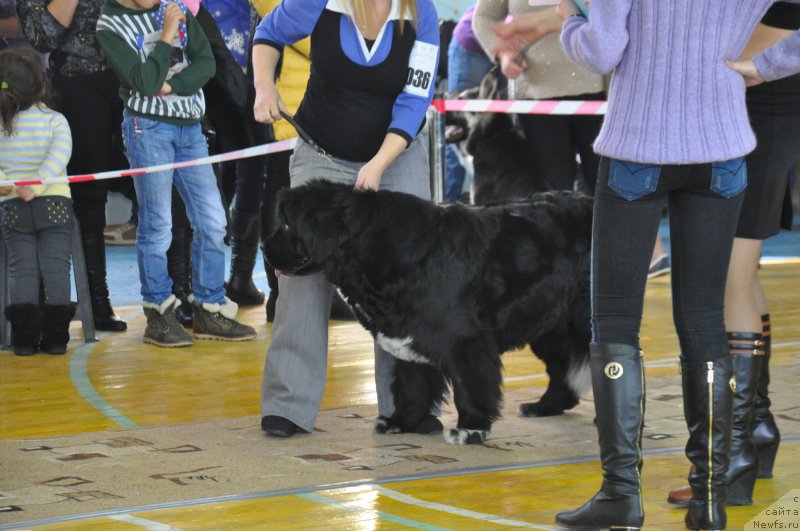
(163, 328)
(55, 327)
(217, 321)
(708, 404)
(26, 328)
(244, 250)
(766, 436)
(618, 386)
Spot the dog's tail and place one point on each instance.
(579, 374)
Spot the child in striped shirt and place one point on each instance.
(162, 58)
(37, 220)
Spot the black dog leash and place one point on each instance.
(310, 141)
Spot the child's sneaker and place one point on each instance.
(216, 321)
(163, 328)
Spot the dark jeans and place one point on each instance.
(703, 201)
(38, 240)
(555, 140)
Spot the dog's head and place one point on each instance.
(310, 227)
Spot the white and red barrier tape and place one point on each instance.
(264, 149)
(556, 107)
(562, 107)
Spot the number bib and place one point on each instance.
(421, 68)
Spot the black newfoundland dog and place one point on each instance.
(447, 290)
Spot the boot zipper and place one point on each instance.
(710, 381)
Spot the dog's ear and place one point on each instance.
(314, 214)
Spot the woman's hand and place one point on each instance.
(509, 65)
(369, 176)
(268, 105)
(748, 70)
(525, 29)
(166, 89)
(5, 190)
(26, 193)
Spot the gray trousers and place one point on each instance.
(297, 359)
(38, 240)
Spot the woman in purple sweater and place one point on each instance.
(675, 134)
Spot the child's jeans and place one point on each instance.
(150, 142)
(38, 239)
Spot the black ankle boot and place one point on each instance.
(26, 328)
(55, 327)
(748, 355)
(707, 405)
(244, 249)
(179, 267)
(766, 436)
(94, 254)
(618, 386)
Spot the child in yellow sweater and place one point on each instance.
(37, 220)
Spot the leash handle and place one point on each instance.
(302, 134)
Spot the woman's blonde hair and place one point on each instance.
(362, 10)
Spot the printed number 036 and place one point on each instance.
(418, 78)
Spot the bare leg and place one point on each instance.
(742, 312)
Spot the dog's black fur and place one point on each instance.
(453, 287)
(503, 167)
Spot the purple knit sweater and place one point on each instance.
(672, 98)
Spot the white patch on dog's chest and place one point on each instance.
(400, 348)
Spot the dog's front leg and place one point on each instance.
(417, 390)
(476, 379)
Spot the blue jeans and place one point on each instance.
(148, 143)
(465, 69)
(703, 201)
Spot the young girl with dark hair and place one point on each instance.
(37, 220)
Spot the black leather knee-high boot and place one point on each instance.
(618, 386)
(94, 254)
(244, 250)
(747, 350)
(707, 405)
(766, 436)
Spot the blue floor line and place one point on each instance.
(79, 375)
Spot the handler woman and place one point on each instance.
(373, 65)
(676, 134)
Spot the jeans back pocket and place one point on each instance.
(729, 177)
(632, 180)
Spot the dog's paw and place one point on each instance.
(386, 426)
(537, 409)
(462, 436)
(429, 425)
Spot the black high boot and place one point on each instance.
(747, 354)
(618, 386)
(244, 249)
(55, 327)
(179, 268)
(766, 436)
(707, 406)
(94, 254)
(747, 350)
(26, 328)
